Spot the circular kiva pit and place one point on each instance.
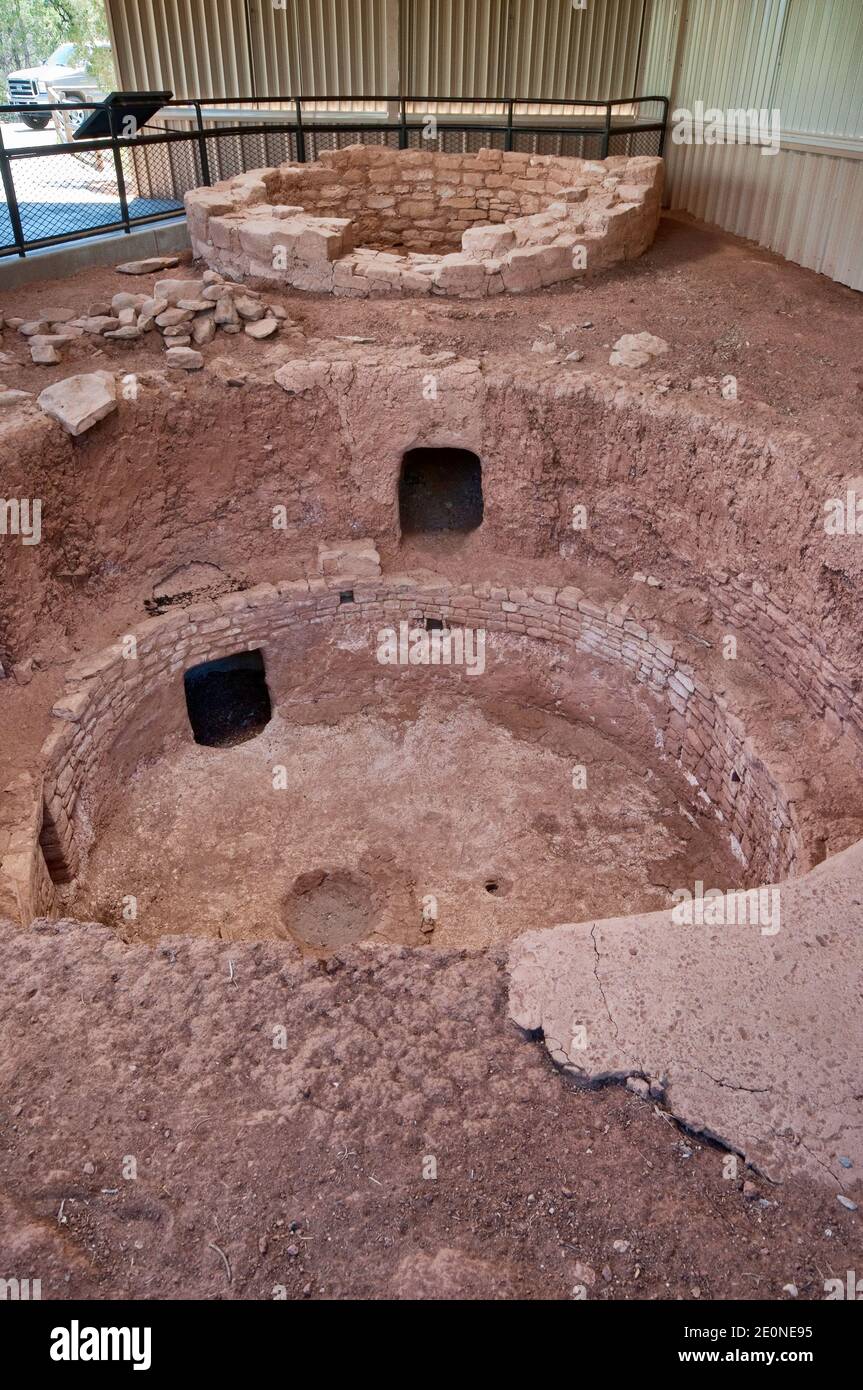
(367, 220)
(383, 798)
(538, 769)
(401, 748)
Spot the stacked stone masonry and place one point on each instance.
(105, 694)
(368, 221)
(748, 606)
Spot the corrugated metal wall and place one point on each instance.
(189, 47)
(454, 47)
(319, 49)
(802, 57)
(530, 48)
(659, 46)
(556, 51)
(730, 52)
(234, 48)
(820, 82)
(807, 207)
(481, 48)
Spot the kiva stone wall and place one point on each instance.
(26, 887)
(365, 221)
(801, 657)
(111, 711)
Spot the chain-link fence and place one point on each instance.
(54, 193)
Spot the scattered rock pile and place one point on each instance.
(187, 313)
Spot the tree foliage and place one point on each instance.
(31, 29)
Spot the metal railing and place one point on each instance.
(56, 193)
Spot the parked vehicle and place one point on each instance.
(57, 79)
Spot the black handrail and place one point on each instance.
(18, 108)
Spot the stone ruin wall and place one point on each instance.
(368, 220)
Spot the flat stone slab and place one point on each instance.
(636, 350)
(262, 328)
(44, 354)
(359, 558)
(79, 402)
(751, 1038)
(172, 291)
(150, 266)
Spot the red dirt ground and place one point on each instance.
(303, 1166)
(791, 337)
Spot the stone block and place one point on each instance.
(481, 243)
(350, 557)
(458, 274)
(79, 402)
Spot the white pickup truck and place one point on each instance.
(57, 79)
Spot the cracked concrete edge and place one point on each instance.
(751, 1040)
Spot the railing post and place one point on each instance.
(403, 124)
(202, 146)
(606, 135)
(11, 198)
(118, 170)
(510, 108)
(301, 134)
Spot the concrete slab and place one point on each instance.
(55, 262)
(753, 1038)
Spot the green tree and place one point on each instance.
(31, 29)
(88, 30)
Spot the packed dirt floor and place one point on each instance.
(281, 1113)
(477, 809)
(281, 1107)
